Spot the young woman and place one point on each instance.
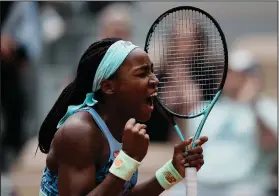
(95, 148)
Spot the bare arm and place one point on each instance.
(267, 139)
(78, 146)
(148, 188)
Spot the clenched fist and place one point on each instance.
(193, 157)
(135, 140)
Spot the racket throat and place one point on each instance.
(206, 113)
(178, 130)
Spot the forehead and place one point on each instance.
(136, 58)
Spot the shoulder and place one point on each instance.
(79, 138)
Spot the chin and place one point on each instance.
(144, 118)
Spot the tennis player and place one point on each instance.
(96, 148)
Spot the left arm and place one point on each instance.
(148, 188)
(194, 158)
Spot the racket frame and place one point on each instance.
(191, 173)
(206, 110)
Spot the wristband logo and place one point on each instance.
(118, 162)
(169, 177)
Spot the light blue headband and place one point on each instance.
(112, 60)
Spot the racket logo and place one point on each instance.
(118, 162)
(169, 177)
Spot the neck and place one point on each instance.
(114, 121)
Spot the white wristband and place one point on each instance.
(168, 176)
(124, 166)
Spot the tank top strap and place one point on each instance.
(113, 143)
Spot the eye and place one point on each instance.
(145, 72)
(142, 74)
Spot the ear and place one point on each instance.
(108, 87)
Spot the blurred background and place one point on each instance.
(41, 43)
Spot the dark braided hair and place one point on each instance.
(75, 92)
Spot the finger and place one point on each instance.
(147, 139)
(137, 127)
(201, 140)
(192, 158)
(130, 124)
(179, 156)
(142, 131)
(199, 166)
(143, 126)
(182, 162)
(146, 136)
(181, 147)
(197, 150)
(196, 162)
(190, 139)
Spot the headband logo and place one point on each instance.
(127, 43)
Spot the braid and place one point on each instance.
(75, 92)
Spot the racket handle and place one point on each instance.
(191, 181)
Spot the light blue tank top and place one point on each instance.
(49, 184)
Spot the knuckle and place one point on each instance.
(135, 129)
(146, 136)
(176, 146)
(135, 132)
(143, 131)
(128, 127)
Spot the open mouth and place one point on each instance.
(150, 98)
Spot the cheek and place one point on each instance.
(133, 90)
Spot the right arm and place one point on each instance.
(78, 147)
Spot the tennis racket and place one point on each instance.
(189, 52)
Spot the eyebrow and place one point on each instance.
(144, 66)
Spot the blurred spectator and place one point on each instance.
(13, 98)
(115, 21)
(52, 24)
(239, 130)
(21, 46)
(95, 7)
(22, 23)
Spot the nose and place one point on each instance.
(153, 82)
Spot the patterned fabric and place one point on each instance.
(49, 183)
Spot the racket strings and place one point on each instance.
(188, 56)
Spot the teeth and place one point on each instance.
(153, 94)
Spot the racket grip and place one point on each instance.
(191, 181)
